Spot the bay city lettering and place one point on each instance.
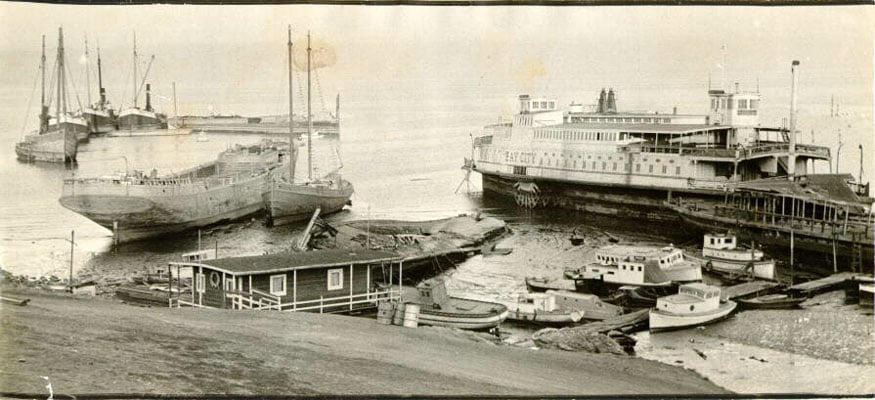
(525, 157)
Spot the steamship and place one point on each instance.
(146, 118)
(624, 163)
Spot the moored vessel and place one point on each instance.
(135, 118)
(100, 116)
(695, 304)
(57, 138)
(721, 255)
(541, 308)
(439, 309)
(289, 201)
(636, 265)
(138, 206)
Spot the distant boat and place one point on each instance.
(135, 206)
(541, 308)
(720, 254)
(57, 138)
(288, 201)
(695, 304)
(100, 116)
(439, 309)
(134, 118)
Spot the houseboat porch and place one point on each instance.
(324, 281)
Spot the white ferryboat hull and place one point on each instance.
(663, 321)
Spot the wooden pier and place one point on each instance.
(747, 289)
(835, 281)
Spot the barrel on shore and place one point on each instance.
(398, 316)
(411, 315)
(385, 310)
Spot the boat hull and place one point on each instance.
(778, 304)
(761, 269)
(286, 203)
(663, 321)
(99, 123)
(53, 146)
(462, 321)
(140, 216)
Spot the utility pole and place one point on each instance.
(72, 243)
(860, 176)
(839, 150)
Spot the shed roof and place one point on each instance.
(296, 260)
(815, 187)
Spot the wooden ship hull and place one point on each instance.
(539, 285)
(135, 119)
(456, 317)
(760, 269)
(557, 317)
(772, 301)
(286, 203)
(664, 321)
(137, 208)
(100, 121)
(54, 146)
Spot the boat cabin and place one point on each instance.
(719, 241)
(432, 292)
(724, 247)
(692, 298)
(538, 301)
(334, 280)
(633, 270)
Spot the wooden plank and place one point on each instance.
(748, 288)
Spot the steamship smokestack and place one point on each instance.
(148, 97)
(612, 102)
(602, 106)
(791, 158)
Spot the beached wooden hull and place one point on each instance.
(770, 302)
(288, 203)
(544, 317)
(761, 269)
(537, 285)
(462, 321)
(53, 146)
(663, 321)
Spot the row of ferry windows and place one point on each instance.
(646, 120)
(742, 104)
(569, 135)
(604, 166)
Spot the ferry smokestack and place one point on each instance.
(791, 158)
(148, 97)
(602, 102)
(612, 102)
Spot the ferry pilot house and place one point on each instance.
(320, 281)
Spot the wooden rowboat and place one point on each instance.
(770, 301)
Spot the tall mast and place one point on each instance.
(44, 110)
(61, 93)
(309, 117)
(292, 149)
(100, 79)
(87, 73)
(791, 158)
(135, 69)
(337, 112)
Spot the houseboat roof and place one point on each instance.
(639, 250)
(816, 187)
(642, 128)
(296, 260)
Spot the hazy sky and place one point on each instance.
(537, 49)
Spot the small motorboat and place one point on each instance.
(695, 304)
(541, 284)
(541, 308)
(576, 238)
(594, 309)
(770, 301)
(721, 256)
(436, 308)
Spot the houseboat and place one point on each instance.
(324, 281)
(603, 160)
(721, 255)
(695, 304)
(636, 265)
(437, 308)
(541, 308)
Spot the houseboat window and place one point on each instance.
(742, 103)
(229, 284)
(201, 283)
(639, 268)
(335, 279)
(278, 285)
(712, 240)
(753, 104)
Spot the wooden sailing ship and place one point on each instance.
(288, 201)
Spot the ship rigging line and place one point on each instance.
(75, 89)
(29, 101)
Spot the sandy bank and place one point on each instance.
(102, 346)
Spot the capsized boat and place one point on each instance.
(57, 138)
(137, 206)
(289, 201)
(721, 255)
(439, 309)
(541, 308)
(695, 304)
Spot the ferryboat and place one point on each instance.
(695, 304)
(603, 160)
(721, 255)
